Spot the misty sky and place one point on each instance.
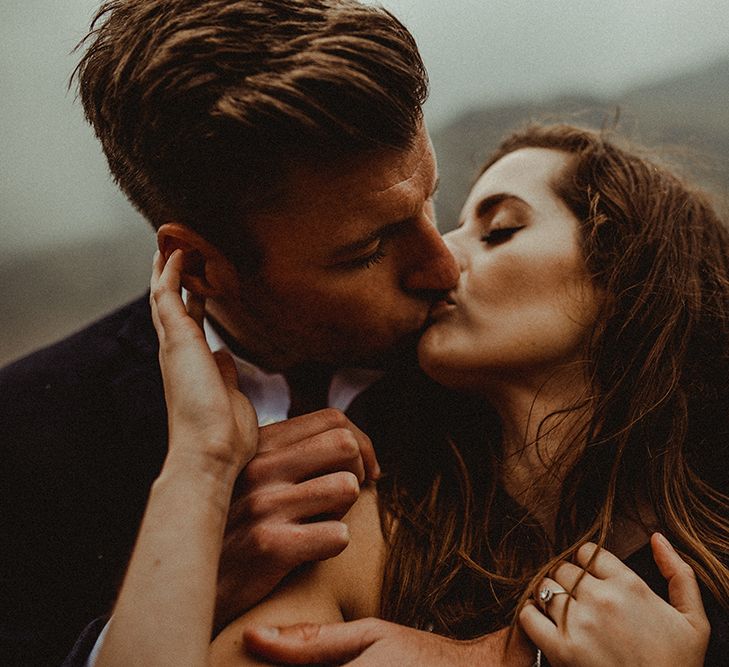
(53, 179)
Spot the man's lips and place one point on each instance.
(441, 307)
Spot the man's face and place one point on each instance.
(352, 263)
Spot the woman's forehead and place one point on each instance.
(526, 173)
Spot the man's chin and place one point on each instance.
(403, 354)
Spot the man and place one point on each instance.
(280, 145)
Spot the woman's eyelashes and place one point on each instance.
(500, 234)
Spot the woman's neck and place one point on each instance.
(543, 424)
(543, 433)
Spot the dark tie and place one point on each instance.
(308, 388)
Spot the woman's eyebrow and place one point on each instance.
(491, 201)
(488, 203)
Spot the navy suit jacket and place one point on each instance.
(83, 428)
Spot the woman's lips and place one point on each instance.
(441, 307)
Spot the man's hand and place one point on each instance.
(289, 502)
(376, 643)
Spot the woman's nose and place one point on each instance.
(454, 244)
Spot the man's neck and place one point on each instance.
(239, 350)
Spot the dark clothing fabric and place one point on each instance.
(84, 434)
(85, 643)
(308, 388)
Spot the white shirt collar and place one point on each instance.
(269, 392)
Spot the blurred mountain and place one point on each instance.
(49, 293)
(685, 119)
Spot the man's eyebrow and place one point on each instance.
(390, 227)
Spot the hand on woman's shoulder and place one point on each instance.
(346, 587)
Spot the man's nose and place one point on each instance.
(432, 266)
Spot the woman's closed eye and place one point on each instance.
(500, 234)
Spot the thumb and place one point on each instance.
(683, 590)
(227, 368)
(307, 643)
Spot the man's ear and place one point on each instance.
(205, 270)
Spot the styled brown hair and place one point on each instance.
(204, 106)
(463, 556)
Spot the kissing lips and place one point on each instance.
(442, 307)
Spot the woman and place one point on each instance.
(591, 315)
(587, 340)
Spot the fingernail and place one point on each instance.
(345, 531)
(663, 540)
(268, 632)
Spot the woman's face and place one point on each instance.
(524, 302)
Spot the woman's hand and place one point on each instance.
(612, 617)
(164, 613)
(211, 424)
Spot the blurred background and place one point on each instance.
(72, 248)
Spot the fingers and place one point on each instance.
(598, 562)
(367, 452)
(196, 308)
(158, 264)
(285, 434)
(539, 628)
(165, 283)
(226, 366)
(568, 575)
(330, 495)
(169, 314)
(307, 643)
(554, 603)
(683, 590)
(328, 451)
(289, 545)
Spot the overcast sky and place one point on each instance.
(53, 180)
(481, 51)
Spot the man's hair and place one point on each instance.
(203, 107)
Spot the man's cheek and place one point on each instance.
(333, 302)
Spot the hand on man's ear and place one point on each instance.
(205, 270)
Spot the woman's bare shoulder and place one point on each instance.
(345, 587)
(357, 572)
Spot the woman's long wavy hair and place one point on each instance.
(463, 556)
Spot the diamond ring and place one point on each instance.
(546, 594)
